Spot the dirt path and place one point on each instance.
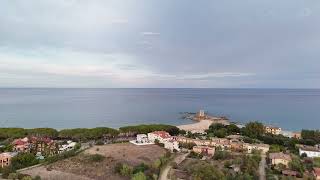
(262, 168)
(178, 159)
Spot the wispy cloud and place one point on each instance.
(204, 76)
(149, 33)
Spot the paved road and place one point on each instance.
(262, 168)
(178, 159)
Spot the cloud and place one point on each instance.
(204, 76)
(149, 33)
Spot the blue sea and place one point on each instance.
(292, 109)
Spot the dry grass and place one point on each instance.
(80, 165)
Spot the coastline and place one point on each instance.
(202, 125)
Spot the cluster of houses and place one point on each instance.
(202, 146)
(280, 158)
(40, 146)
(163, 137)
(231, 143)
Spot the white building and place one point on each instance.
(142, 138)
(310, 151)
(67, 147)
(171, 145)
(264, 148)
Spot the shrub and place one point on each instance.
(64, 155)
(23, 160)
(126, 170)
(195, 155)
(221, 155)
(140, 168)
(6, 171)
(96, 158)
(139, 176)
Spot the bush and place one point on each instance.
(221, 155)
(139, 176)
(57, 157)
(6, 171)
(195, 155)
(205, 171)
(126, 170)
(140, 168)
(23, 160)
(96, 158)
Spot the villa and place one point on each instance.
(205, 150)
(279, 158)
(141, 139)
(161, 136)
(273, 130)
(5, 158)
(165, 138)
(310, 151)
(67, 147)
(21, 145)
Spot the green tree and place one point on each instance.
(296, 165)
(233, 129)
(254, 129)
(205, 171)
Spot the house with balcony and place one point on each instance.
(5, 158)
(272, 130)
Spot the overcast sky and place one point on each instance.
(163, 43)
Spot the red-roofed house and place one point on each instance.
(161, 136)
(165, 138)
(21, 145)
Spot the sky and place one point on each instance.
(160, 44)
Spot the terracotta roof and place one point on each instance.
(162, 134)
(41, 139)
(280, 156)
(19, 142)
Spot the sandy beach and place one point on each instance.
(202, 125)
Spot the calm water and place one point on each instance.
(70, 108)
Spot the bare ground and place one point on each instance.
(79, 167)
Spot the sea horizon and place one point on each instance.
(62, 108)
